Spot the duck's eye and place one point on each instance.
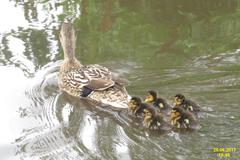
(174, 114)
(145, 111)
(131, 103)
(178, 101)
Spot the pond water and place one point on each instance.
(189, 47)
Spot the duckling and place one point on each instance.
(154, 120)
(181, 118)
(181, 101)
(136, 107)
(92, 81)
(159, 103)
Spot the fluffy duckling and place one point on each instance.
(159, 103)
(136, 107)
(181, 118)
(181, 101)
(92, 81)
(154, 120)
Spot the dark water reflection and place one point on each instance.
(171, 46)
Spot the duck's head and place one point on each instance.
(134, 103)
(68, 40)
(176, 113)
(178, 99)
(149, 112)
(149, 116)
(151, 96)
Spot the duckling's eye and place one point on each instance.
(178, 100)
(132, 102)
(145, 111)
(150, 96)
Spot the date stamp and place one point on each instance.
(225, 153)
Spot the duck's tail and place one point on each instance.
(68, 41)
(113, 96)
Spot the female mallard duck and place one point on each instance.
(181, 118)
(136, 107)
(181, 101)
(158, 102)
(93, 81)
(154, 120)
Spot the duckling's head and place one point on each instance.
(134, 103)
(151, 96)
(149, 112)
(176, 112)
(179, 99)
(68, 40)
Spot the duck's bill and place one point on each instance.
(147, 100)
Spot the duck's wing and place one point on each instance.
(100, 78)
(73, 81)
(94, 77)
(121, 81)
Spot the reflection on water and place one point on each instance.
(12, 12)
(171, 46)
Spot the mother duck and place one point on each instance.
(92, 81)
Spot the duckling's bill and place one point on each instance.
(149, 99)
(177, 101)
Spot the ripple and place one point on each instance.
(45, 143)
(221, 59)
(87, 133)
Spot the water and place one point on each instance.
(170, 46)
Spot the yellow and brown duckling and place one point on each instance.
(155, 120)
(136, 107)
(92, 81)
(181, 101)
(159, 103)
(183, 119)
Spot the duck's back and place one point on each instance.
(93, 77)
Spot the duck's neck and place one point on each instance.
(70, 65)
(68, 55)
(68, 42)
